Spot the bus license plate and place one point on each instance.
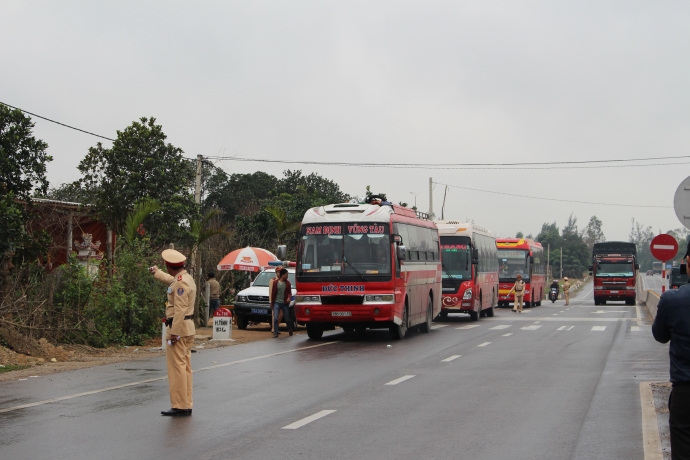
(259, 311)
(341, 313)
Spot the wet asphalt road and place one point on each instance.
(540, 385)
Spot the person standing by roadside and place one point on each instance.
(179, 314)
(270, 286)
(519, 290)
(566, 290)
(214, 295)
(279, 297)
(672, 323)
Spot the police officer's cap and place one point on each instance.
(565, 278)
(173, 258)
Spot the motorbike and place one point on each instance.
(553, 295)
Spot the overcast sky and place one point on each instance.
(390, 82)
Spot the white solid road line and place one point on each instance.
(438, 326)
(450, 358)
(506, 335)
(483, 344)
(502, 326)
(634, 328)
(598, 328)
(141, 382)
(304, 421)
(650, 427)
(533, 327)
(401, 379)
(469, 326)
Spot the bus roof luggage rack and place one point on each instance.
(422, 215)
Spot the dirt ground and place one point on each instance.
(661, 392)
(42, 358)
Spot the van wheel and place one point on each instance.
(314, 331)
(426, 326)
(241, 322)
(398, 331)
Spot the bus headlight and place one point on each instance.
(468, 294)
(379, 298)
(308, 299)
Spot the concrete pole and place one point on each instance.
(431, 199)
(561, 262)
(196, 254)
(548, 259)
(70, 224)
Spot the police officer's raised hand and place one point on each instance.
(153, 269)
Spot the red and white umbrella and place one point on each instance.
(247, 259)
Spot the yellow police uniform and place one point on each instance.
(519, 289)
(180, 308)
(566, 291)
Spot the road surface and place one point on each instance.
(553, 383)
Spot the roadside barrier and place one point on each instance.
(650, 299)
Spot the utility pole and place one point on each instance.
(561, 263)
(548, 261)
(431, 199)
(196, 254)
(443, 206)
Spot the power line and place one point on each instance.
(457, 165)
(58, 123)
(553, 199)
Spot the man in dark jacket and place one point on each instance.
(279, 295)
(672, 323)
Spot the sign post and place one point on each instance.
(664, 247)
(222, 324)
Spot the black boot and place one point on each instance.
(175, 412)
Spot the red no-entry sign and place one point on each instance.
(664, 247)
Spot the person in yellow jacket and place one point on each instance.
(519, 290)
(179, 314)
(566, 290)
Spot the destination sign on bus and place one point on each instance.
(323, 230)
(511, 254)
(357, 229)
(453, 247)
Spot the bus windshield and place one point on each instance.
(615, 269)
(345, 249)
(456, 257)
(511, 263)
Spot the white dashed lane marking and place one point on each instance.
(304, 421)
(506, 335)
(438, 326)
(483, 344)
(502, 326)
(598, 328)
(634, 328)
(400, 380)
(533, 327)
(561, 328)
(450, 358)
(469, 326)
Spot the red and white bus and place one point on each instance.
(470, 269)
(365, 266)
(525, 257)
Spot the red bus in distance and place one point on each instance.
(526, 257)
(470, 269)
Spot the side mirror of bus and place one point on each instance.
(637, 266)
(590, 269)
(475, 256)
(281, 253)
(402, 252)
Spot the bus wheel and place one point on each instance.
(398, 331)
(314, 331)
(426, 326)
(490, 311)
(541, 296)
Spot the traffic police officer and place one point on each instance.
(519, 289)
(179, 312)
(566, 290)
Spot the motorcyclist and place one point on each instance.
(554, 288)
(554, 285)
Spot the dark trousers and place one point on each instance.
(277, 306)
(213, 305)
(679, 421)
